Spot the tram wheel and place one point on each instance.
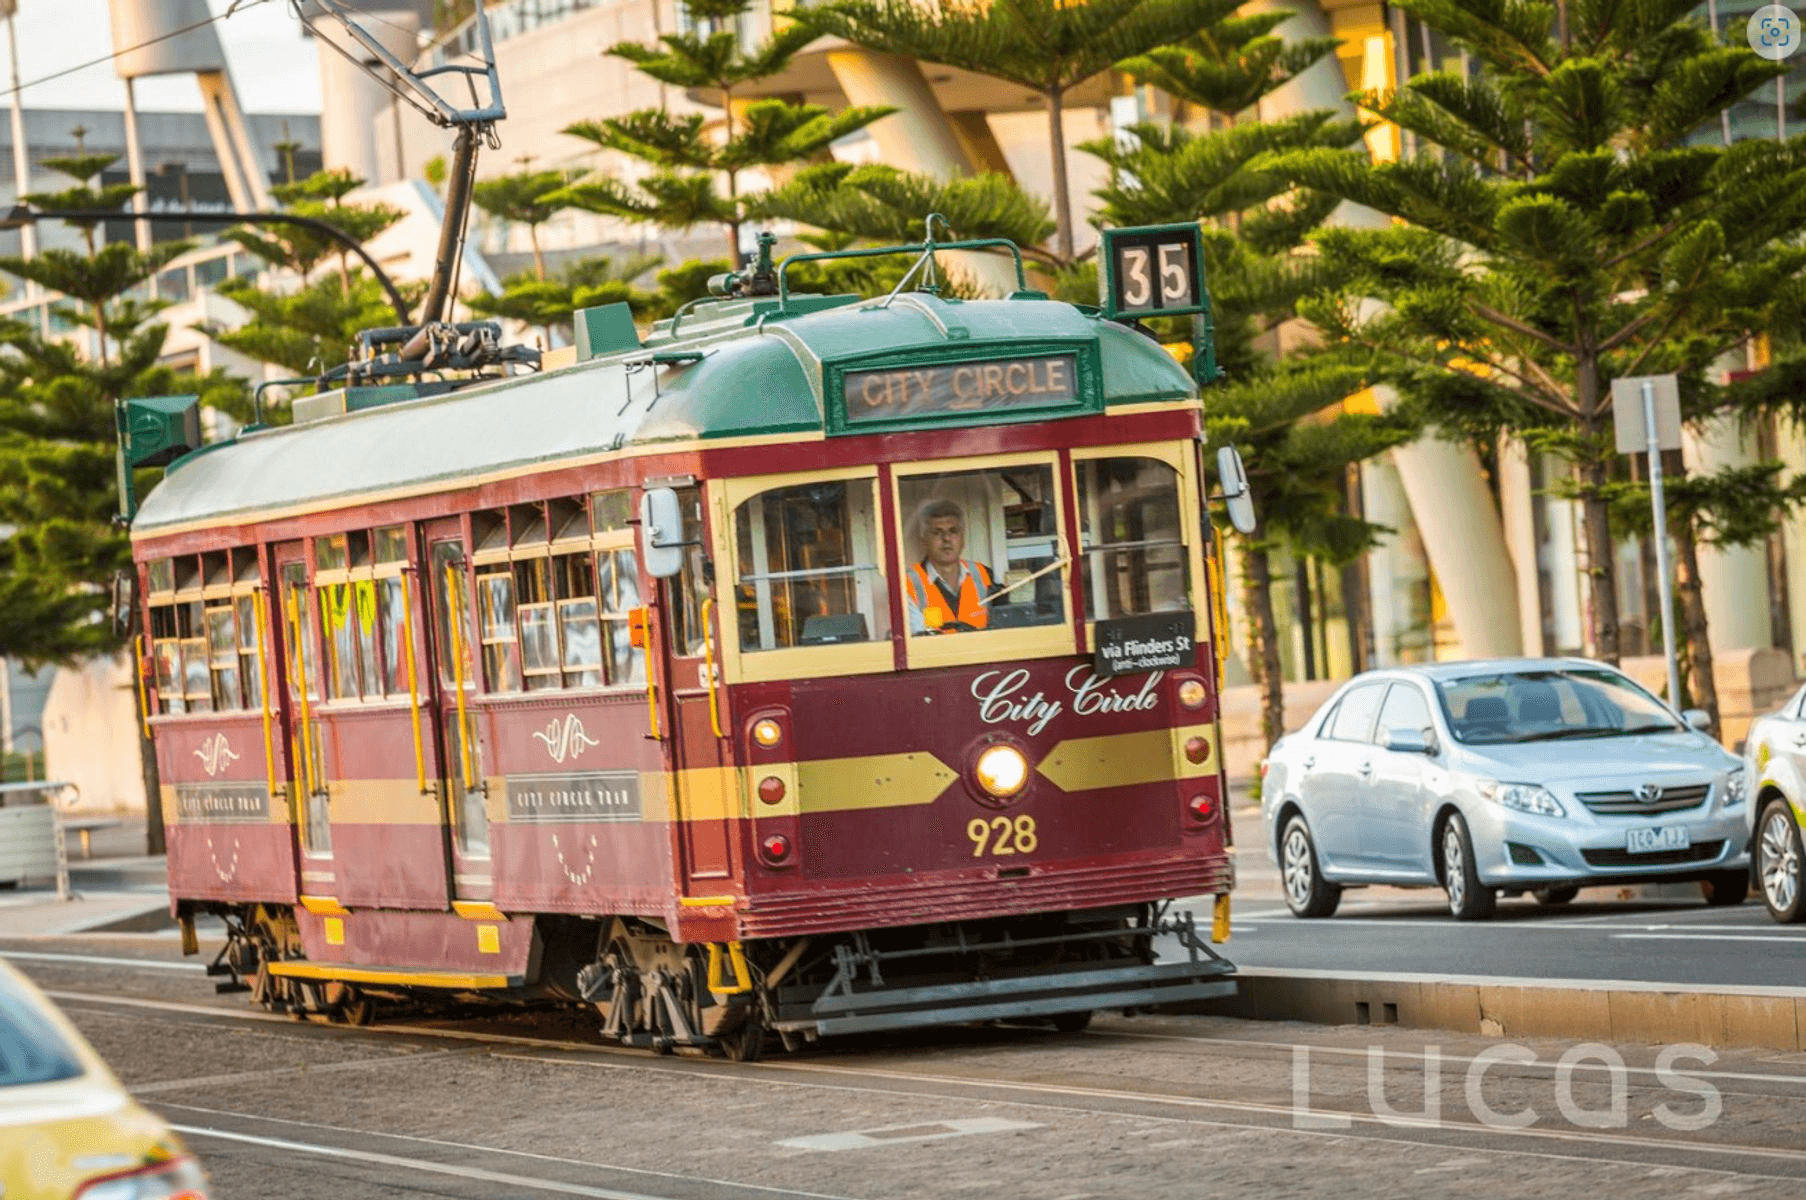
(747, 1043)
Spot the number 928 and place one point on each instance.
(1002, 835)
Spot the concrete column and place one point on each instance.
(1517, 514)
(973, 130)
(1397, 575)
(1790, 448)
(352, 101)
(1569, 588)
(134, 164)
(1734, 581)
(1463, 539)
(918, 137)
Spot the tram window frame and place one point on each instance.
(690, 587)
(963, 648)
(552, 608)
(752, 664)
(300, 628)
(1182, 457)
(364, 666)
(204, 652)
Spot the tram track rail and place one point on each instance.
(1064, 1094)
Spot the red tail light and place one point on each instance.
(1197, 750)
(776, 847)
(1201, 808)
(771, 790)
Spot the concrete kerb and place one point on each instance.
(1769, 1018)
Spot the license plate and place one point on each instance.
(1657, 838)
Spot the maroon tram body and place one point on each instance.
(425, 721)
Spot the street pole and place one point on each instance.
(28, 238)
(1664, 582)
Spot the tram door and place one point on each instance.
(306, 757)
(456, 715)
(706, 793)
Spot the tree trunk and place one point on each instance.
(1258, 596)
(1600, 555)
(1062, 198)
(1698, 642)
(539, 262)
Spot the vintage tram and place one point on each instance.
(813, 665)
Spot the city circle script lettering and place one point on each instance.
(953, 388)
(1004, 698)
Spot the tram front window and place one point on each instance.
(983, 550)
(808, 567)
(1131, 536)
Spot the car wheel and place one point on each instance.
(1551, 897)
(1469, 899)
(1308, 894)
(1780, 864)
(1723, 889)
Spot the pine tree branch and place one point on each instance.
(1488, 313)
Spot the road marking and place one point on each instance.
(1571, 925)
(414, 1164)
(148, 964)
(890, 1135)
(1711, 937)
(497, 1150)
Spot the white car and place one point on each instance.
(1520, 775)
(1775, 759)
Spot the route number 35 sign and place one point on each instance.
(1153, 271)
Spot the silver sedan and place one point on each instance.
(1520, 775)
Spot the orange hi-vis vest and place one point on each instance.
(929, 596)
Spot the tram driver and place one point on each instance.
(947, 592)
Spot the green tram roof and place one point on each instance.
(761, 371)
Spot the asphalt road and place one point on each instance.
(479, 1108)
(1598, 936)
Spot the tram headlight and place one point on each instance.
(1191, 693)
(767, 732)
(1002, 771)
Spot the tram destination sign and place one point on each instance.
(575, 796)
(988, 386)
(222, 803)
(1154, 642)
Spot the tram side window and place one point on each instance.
(982, 550)
(495, 627)
(691, 587)
(617, 585)
(1131, 537)
(808, 566)
(203, 636)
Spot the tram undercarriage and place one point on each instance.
(657, 994)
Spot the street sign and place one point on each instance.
(1646, 411)
(1627, 413)
(1152, 271)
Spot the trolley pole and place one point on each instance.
(1664, 583)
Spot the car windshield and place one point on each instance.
(1553, 705)
(31, 1049)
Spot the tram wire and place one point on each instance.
(237, 6)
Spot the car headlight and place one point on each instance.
(1736, 787)
(1524, 797)
(178, 1179)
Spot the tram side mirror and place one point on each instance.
(1234, 479)
(661, 533)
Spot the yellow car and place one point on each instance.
(68, 1130)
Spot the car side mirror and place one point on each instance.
(661, 533)
(1698, 719)
(1411, 741)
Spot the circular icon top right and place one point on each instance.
(1774, 31)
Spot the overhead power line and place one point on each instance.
(235, 7)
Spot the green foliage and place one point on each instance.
(881, 204)
(550, 303)
(320, 196)
(1559, 231)
(311, 328)
(1045, 46)
(1230, 65)
(682, 191)
(1737, 506)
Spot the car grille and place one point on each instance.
(1698, 852)
(1626, 804)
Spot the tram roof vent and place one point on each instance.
(605, 329)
